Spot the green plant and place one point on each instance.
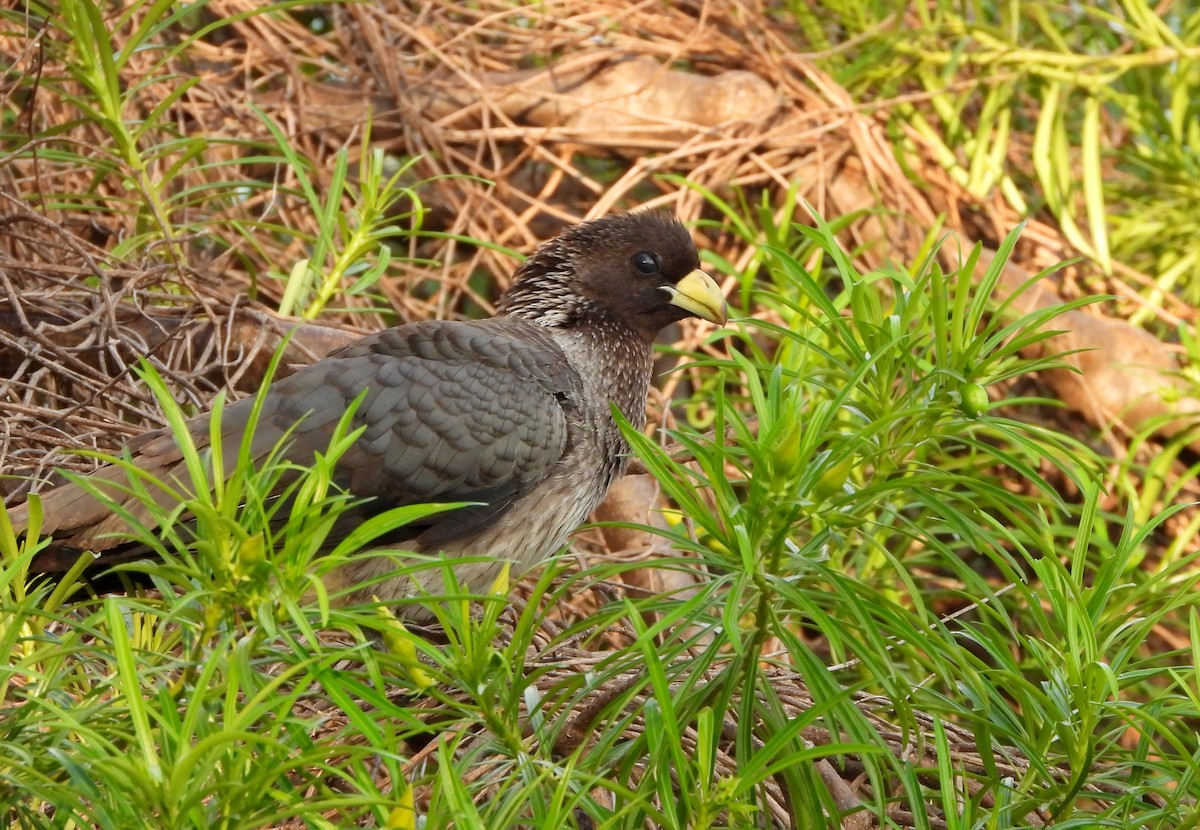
(1087, 112)
(190, 708)
(849, 487)
(182, 196)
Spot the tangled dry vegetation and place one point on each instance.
(534, 117)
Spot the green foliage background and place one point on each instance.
(875, 528)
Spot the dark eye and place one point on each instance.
(646, 263)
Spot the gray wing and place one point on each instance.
(452, 412)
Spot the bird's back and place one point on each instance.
(450, 412)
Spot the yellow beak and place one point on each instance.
(699, 294)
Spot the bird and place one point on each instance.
(511, 414)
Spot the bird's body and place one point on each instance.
(513, 412)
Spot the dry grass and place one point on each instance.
(440, 82)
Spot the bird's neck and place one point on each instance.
(540, 294)
(613, 361)
(613, 358)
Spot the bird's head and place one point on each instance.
(640, 269)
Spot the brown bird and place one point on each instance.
(512, 412)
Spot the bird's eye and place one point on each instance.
(646, 263)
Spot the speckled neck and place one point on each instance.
(629, 360)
